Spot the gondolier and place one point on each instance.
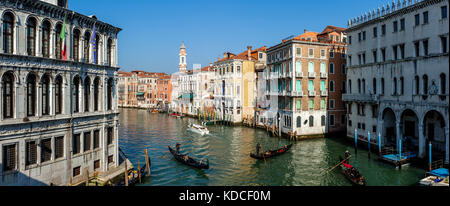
(269, 154)
(178, 147)
(258, 148)
(347, 156)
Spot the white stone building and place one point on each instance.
(398, 76)
(58, 118)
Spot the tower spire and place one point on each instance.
(182, 66)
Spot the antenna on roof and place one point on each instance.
(289, 37)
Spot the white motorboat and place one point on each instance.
(198, 129)
(434, 181)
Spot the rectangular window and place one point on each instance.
(311, 85)
(395, 26)
(425, 47)
(331, 120)
(299, 52)
(402, 24)
(383, 29)
(394, 52)
(298, 105)
(31, 153)
(322, 104)
(322, 53)
(59, 147)
(76, 171)
(364, 35)
(311, 104)
(374, 56)
(417, 19)
(375, 32)
(444, 43)
(110, 136)
(46, 150)
(417, 48)
(402, 51)
(110, 159)
(96, 164)
(87, 141)
(425, 17)
(359, 36)
(444, 12)
(96, 139)
(332, 54)
(311, 52)
(332, 103)
(383, 55)
(76, 144)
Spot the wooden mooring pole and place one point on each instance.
(87, 176)
(139, 170)
(147, 163)
(126, 173)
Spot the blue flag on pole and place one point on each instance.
(94, 43)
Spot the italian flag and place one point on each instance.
(63, 40)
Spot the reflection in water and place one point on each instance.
(228, 149)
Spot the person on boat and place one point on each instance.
(178, 147)
(258, 148)
(347, 156)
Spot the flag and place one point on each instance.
(63, 40)
(94, 43)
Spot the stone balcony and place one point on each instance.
(324, 93)
(323, 75)
(297, 93)
(311, 74)
(367, 98)
(299, 74)
(312, 93)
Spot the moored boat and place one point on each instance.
(352, 174)
(198, 129)
(272, 153)
(189, 160)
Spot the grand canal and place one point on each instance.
(228, 149)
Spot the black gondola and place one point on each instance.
(133, 177)
(357, 180)
(190, 161)
(271, 153)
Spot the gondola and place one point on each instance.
(272, 153)
(133, 177)
(190, 161)
(346, 170)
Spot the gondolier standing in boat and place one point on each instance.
(178, 147)
(258, 148)
(347, 155)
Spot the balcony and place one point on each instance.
(297, 93)
(288, 93)
(288, 74)
(311, 74)
(323, 75)
(363, 98)
(299, 74)
(324, 93)
(312, 93)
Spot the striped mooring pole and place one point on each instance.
(379, 143)
(430, 155)
(368, 141)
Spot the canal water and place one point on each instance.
(228, 149)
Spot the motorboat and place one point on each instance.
(198, 129)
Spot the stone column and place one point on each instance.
(38, 105)
(422, 143)
(446, 144)
(52, 43)
(39, 42)
(52, 100)
(1, 37)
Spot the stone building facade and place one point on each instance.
(58, 117)
(303, 83)
(398, 76)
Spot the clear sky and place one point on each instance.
(153, 30)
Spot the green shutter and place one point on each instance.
(322, 104)
(311, 85)
(311, 104)
(298, 67)
(311, 67)
(298, 105)
(322, 67)
(299, 85)
(322, 85)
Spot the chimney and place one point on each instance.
(306, 31)
(218, 58)
(249, 52)
(225, 55)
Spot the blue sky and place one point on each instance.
(153, 30)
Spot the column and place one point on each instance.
(39, 41)
(38, 105)
(52, 99)
(422, 143)
(52, 45)
(1, 37)
(446, 144)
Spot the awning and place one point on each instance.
(140, 93)
(188, 96)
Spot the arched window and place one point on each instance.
(311, 67)
(31, 36)
(31, 95)
(87, 93)
(416, 85)
(8, 32)
(58, 95)
(96, 48)
(45, 93)
(331, 86)
(46, 39)
(109, 52)
(311, 121)
(96, 91)
(109, 93)
(8, 95)
(299, 121)
(76, 94)
(443, 84)
(425, 84)
(374, 85)
(87, 38)
(331, 68)
(76, 45)
(323, 120)
(58, 41)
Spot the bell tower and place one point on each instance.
(183, 66)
